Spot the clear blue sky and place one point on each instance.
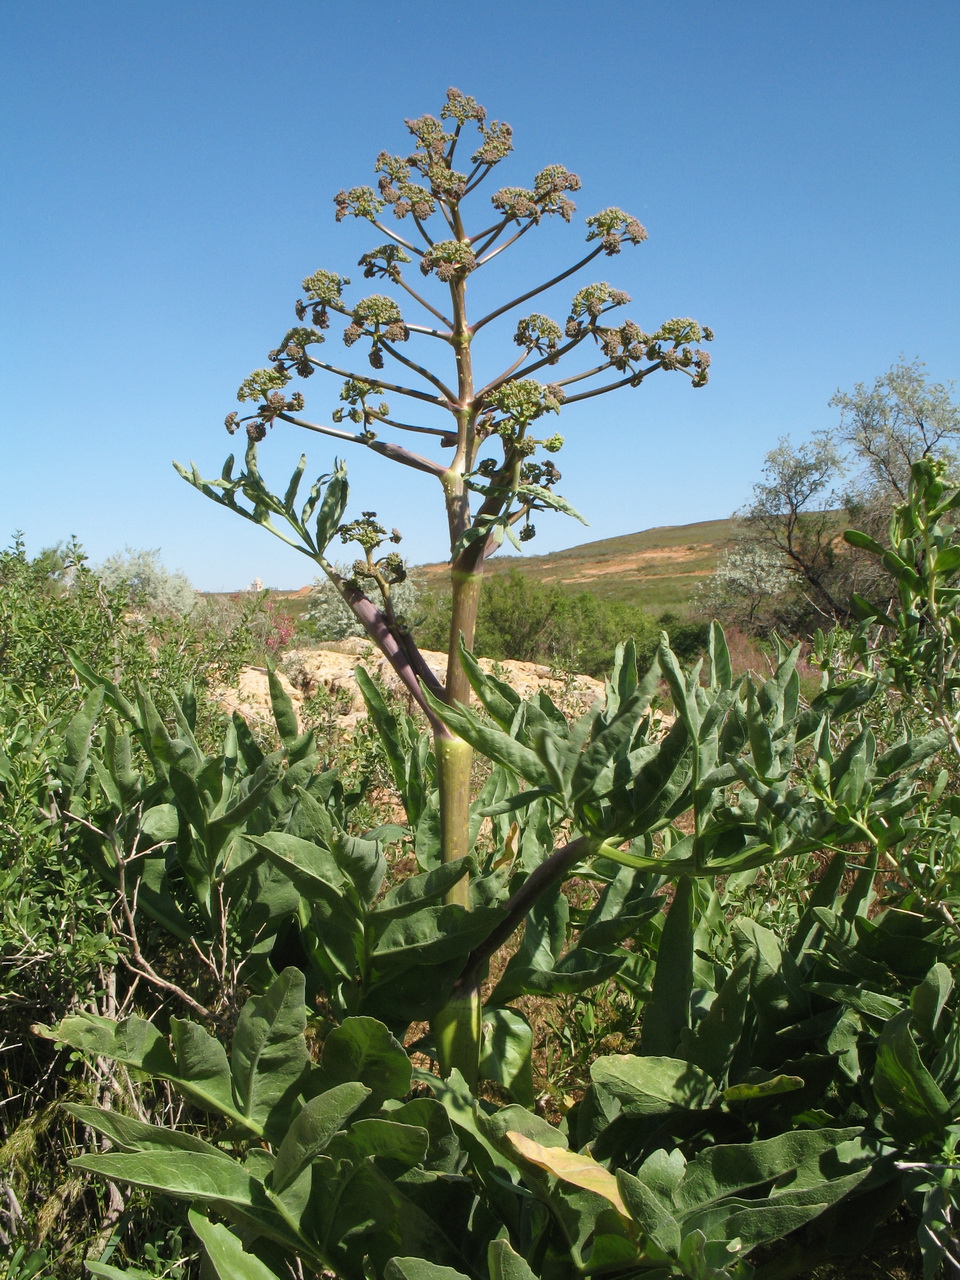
(168, 171)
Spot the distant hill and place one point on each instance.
(657, 569)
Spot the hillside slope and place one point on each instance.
(657, 569)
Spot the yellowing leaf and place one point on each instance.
(581, 1170)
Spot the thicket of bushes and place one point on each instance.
(724, 1044)
(522, 619)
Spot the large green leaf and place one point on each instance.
(493, 743)
(578, 970)
(419, 1269)
(362, 1049)
(365, 1214)
(668, 1013)
(225, 1254)
(193, 1174)
(202, 1063)
(653, 1214)
(311, 867)
(505, 1264)
(270, 1055)
(312, 1129)
(728, 1170)
(443, 1152)
(76, 755)
(499, 700)
(432, 935)
(130, 1134)
(284, 715)
(107, 1272)
(414, 892)
(716, 1037)
(134, 1041)
(404, 1146)
(928, 999)
(255, 789)
(506, 1053)
(915, 1109)
(652, 1085)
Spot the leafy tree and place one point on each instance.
(790, 568)
(495, 473)
(329, 617)
(148, 584)
(748, 580)
(531, 621)
(898, 421)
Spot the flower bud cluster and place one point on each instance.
(462, 109)
(378, 318)
(371, 535)
(546, 197)
(681, 330)
(612, 226)
(392, 567)
(544, 474)
(325, 287)
(497, 143)
(384, 261)
(355, 392)
(367, 531)
(431, 158)
(292, 353)
(624, 345)
(517, 202)
(265, 383)
(679, 355)
(450, 259)
(592, 300)
(295, 341)
(397, 190)
(261, 382)
(523, 401)
(447, 182)
(538, 333)
(358, 202)
(380, 311)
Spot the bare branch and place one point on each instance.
(405, 658)
(633, 380)
(506, 245)
(514, 373)
(489, 231)
(422, 229)
(524, 297)
(410, 426)
(387, 386)
(418, 368)
(543, 877)
(476, 176)
(423, 303)
(399, 239)
(395, 452)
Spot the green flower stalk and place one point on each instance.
(420, 337)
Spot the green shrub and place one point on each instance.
(524, 620)
(147, 584)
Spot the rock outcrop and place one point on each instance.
(306, 671)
